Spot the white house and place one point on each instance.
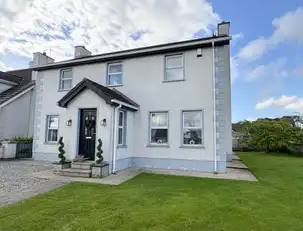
(166, 106)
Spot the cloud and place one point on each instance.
(294, 103)
(287, 28)
(101, 26)
(4, 67)
(234, 69)
(254, 49)
(273, 69)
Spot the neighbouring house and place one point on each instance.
(166, 106)
(237, 136)
(16, 104)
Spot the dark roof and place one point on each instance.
(10, 77)
(138, 52)
(15, 90)
(23, 79)
(237, 127)
(26, 74)
(104, 92)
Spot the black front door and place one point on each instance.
(87, 139)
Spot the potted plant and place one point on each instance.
(63, 163)
(100, 169)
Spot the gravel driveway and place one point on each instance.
(17, 181)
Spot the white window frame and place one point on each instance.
(158, 127)
(201, 127)
(48, 128)
(179, 67)
(62, 79)
(122, 127)
(114, 73)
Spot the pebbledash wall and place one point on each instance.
(143, 82)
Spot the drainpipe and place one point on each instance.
(115, 140)
(214, 110)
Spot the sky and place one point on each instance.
(266, 50)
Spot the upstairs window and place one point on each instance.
(66, 77)
(174, 67)
(114, 74)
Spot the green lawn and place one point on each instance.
(156, 202)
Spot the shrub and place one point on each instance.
(100, 151)
(272, 135)
(21, 140)
(61, 151)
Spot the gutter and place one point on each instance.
(124, 104)
(214, 111)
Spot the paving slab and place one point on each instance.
(231, 174)
(113, 179)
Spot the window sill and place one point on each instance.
(192, 146)
(175, 80)
(62, 90)
(122, 146)
(118, 85)
(49, 143)
(158, 145)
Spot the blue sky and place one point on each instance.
(266, 51)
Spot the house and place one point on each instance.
(16, 104)
(166, 106)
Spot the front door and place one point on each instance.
(87, 139)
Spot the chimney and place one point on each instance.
(223, 28)
(81, 51)
(41, 59)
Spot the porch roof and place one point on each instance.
(110, 96)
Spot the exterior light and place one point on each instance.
(69, 123)
(103, 122)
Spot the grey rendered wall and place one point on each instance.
(223, 105)
(15, 117)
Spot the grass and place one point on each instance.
(158, 202)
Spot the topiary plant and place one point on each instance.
(100, 151)
(61, 151)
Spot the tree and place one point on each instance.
(272, 135)
(99, 152)
(61, 151)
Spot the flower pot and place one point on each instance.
(100, 170)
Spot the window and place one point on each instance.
(192, 127)
(122, 128)
(158, 128)
(52, 125)
(174, 67)
(114, 74)
(66, 77)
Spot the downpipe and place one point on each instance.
(214, 110)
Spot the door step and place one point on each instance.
(82, 165)
(236, 164)
(75, 172)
